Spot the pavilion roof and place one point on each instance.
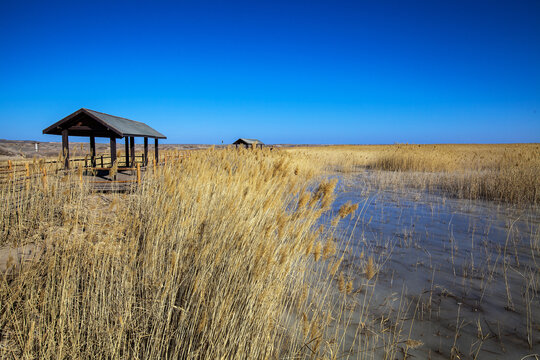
(85, 122)
(248, 141)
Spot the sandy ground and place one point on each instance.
(11, 257)
(453, 274)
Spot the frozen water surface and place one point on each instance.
(460, 276)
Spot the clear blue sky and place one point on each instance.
(283, 72)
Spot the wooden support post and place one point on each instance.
(65, 148)
(138, 174)
(27, 169)
(145, 159)
(113, 152)
(156, 153)
(132, 150)
(126, 146)
(102, 161)
(93, 151)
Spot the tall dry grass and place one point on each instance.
(503, 172)
(214, 256)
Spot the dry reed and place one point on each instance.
(503, 172)
(207, 259)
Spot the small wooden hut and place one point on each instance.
(85, 122)
(248, 143)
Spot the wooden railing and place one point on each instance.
(22, 174)
(102, 160)
(20, 171)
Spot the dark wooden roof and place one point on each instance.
(85, 122)
(248, 141)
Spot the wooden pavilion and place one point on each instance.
(248, 143)
(85, 122)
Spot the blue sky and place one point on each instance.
(359, 72)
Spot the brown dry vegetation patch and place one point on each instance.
(503, 172)
(216, 255)
(209, 258)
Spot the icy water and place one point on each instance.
(459, 276)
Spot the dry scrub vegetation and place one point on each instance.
(503, 172)
(220, 254)
(214, 256)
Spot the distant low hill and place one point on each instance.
(26, 148)
(13, 149)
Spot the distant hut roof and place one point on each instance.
(86, 122)
(248, 141)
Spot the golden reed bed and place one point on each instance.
(218, 255)
(212, 257)
(503, 172)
